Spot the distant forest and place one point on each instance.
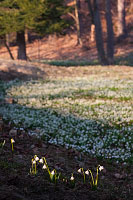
(92, 20)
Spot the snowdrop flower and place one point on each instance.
(79, 170)
(87, 172)
(34, 162)
(36, 158)
(72, 178)
(44, 167)
(101, 168)
(12, 141)
(53, 172)
(41, 160)
(4, 143)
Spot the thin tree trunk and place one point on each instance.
(91, 11)
(8, 49)
(110, 33)
(21, 46)
(92, 33)
(7, 39)
(122, 32)
(78, 25)
(98, 33)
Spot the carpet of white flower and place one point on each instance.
(91, 114)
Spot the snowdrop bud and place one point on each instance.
(36, 158)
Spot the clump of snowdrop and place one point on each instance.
(81, 170)
(52, 174)
(94, 182)
(34, 161)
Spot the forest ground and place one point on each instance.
(115, 181)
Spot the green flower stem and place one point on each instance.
(96, 181)
(92, 178)
(83, 175)
(35, 168)
(12, 147)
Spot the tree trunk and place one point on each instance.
(7, 37)
(122, 32)
(8, 49)
(92, 33)
(78, 25)
(110, 33)
(21, 46)
(91, 11)
(98, 33)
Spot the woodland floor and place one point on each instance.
(115, 181)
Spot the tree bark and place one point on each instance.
(122, 32)
(78, 25)
(91, 11)
(8, 49)
(21, 46)
(110, 33)
(98, 33)
(92, 33)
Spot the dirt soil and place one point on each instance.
(115, 181)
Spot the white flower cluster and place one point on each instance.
(93, 115)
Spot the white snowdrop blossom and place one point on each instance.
(53, 172)
(101, 168)
(34, 162)
(79, 170)
(41, 160)
(36, 158)
(12, 141)
(44, 167)
(87, 172)
(72, 178)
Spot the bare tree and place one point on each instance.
(122, 32)
(110, 33)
